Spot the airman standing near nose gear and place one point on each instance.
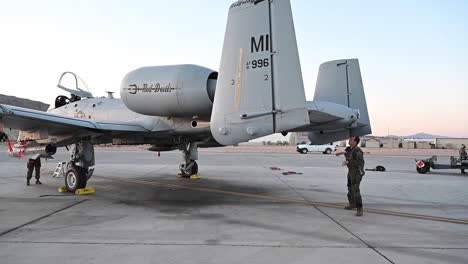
(463, 156)
(34, 164)
(355, 162)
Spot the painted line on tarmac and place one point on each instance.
(42, 217)
(285, 200)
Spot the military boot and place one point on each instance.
(359, 212)
(350, 207)
(27, 182)
(38, 182)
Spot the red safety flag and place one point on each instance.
(10, 148)
(20, 154)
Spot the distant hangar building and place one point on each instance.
(450, 143)
(410, 143)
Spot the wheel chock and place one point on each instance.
(84, 191)
(195, 177)
(192, 177)
(62, 189)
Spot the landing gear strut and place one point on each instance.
(189, 166)
(78, 168)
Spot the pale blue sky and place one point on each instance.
(413, 54)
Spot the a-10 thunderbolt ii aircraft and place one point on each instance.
(258, 91)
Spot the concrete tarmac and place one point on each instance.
(241, 211)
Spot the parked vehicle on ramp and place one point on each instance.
(325, 149)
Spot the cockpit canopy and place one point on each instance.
(76, 94)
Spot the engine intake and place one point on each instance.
(178, 90)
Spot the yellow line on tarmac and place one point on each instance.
(285, 200)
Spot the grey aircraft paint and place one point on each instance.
(258, 91)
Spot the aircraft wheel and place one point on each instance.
(75, 178)
(192, 170)
(304, 151)
(422, 170)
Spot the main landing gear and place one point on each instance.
(78, 168)
(189, 166)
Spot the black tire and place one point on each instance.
(193, 170)
(75, 178)
(328, 151)
(303, 151)
(422, 170)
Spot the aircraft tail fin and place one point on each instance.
(340, 82)
(260, 89)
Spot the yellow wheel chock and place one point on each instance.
(195, 177)
(83, 191)
(192, 177)
(62, 189)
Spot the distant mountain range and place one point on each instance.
(21, 102)
(420, 136)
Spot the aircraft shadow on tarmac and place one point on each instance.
(182, 193)
(185, 204)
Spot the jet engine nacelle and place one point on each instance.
(176, 91)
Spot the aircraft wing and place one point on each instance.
(26, 120)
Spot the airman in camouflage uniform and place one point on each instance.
(34, 164)
(463, 156)
(355, 163)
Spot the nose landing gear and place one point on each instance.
(78, 169)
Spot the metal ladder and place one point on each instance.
(60, 170)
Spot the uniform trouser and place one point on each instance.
(462, 158)
(34, 164)
(354, 193)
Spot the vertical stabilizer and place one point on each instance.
(340, 82)
(260, 89)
